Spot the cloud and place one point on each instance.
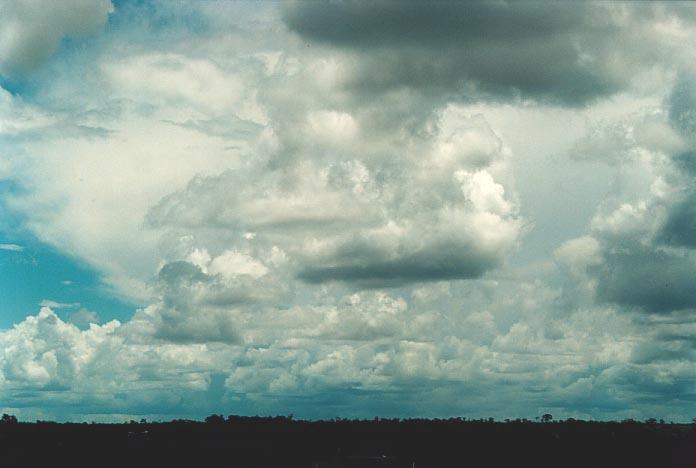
(580, 253)
(83, 318)
(680, 227)
(47, 360)
(199, 307)
(468, 50)
(617, 142)
(362, 221)
(363, 347)
(630, 279)
(313, 221)
(58, 305)
(30, 31)
(682, 103)
(647, 227)
(175, 78)
(11, 247)
(71, 182)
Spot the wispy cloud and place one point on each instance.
(11, 247)
(58, 305)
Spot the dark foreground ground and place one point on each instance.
(283, 442)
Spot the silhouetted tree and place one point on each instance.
(8, 419)
(215, 419)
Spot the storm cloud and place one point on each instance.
(568, 54)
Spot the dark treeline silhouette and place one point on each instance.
(261, 442)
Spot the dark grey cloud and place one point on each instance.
(176, 318)
(680, 226)
(682, 105)
(661, 350)
(647, 279)
(442, 261)
(559, 52)
(195, 306)
(175, 273)
(686, 161)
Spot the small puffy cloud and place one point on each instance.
(83, 318)
(11, 247)
(579, 254)
(367, 316)
(232, 263)
(31, 30)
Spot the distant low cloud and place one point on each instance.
(11, 247)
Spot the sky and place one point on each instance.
(347, 209)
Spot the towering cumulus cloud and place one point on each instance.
(438, 215)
